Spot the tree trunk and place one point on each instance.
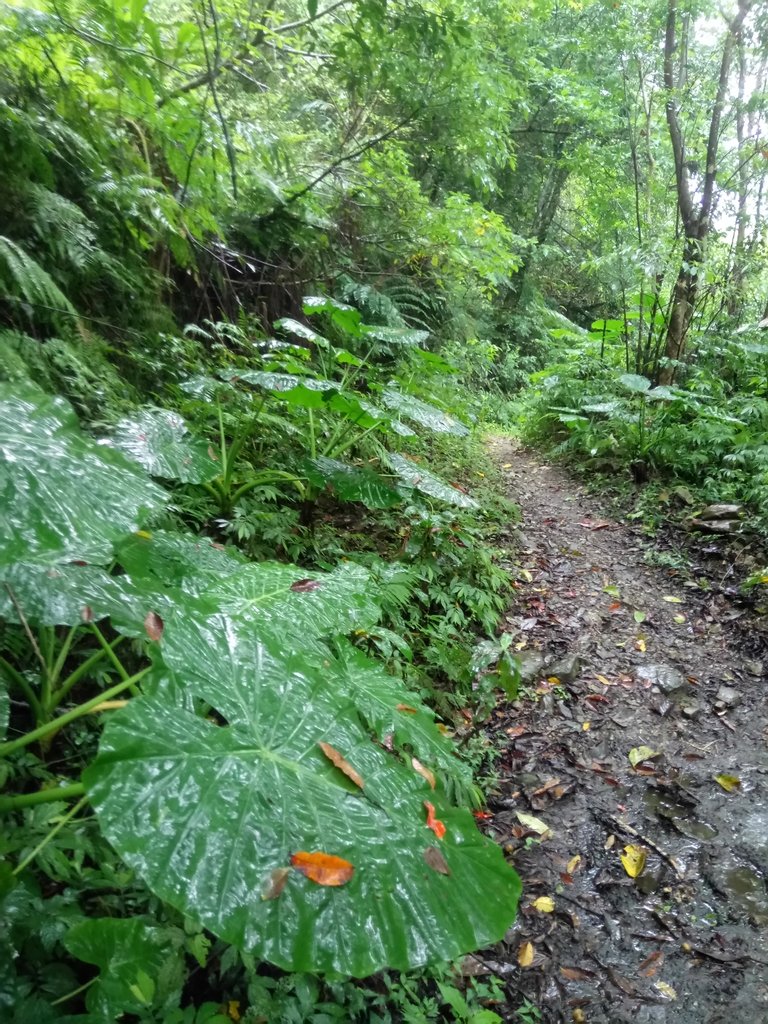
(695, 211)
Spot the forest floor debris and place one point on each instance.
(645, 900)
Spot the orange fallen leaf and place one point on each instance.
(432, 822)
(323, 868)
(425, 773)
(154, 626)
(343, 765)
(406, 707)
(526, 954)
(276, 883)
(436, 860)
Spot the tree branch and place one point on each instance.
(210, 74)
(685, 202)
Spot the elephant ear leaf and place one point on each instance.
(415, 475)
(63, 496)
(352, 483)
(284, 600)
(159, 440)
(412, 408)
(211, 812)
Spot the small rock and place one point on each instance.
(531, 666)
(754, 668)
(715, 525)
(566, 669)
(665, 678)
(720, 512)
(727, 697)
(691, 709)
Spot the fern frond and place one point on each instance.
(22, 276)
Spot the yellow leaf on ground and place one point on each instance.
(633, 860)
(604, 681)
(728, 782)
(665, 989)
(586, 726)
(525, 954)
(679, 619)
(544, 904)
(673, 600)
(640, 644)
(534, 824)
(639, 754)
(573, 864)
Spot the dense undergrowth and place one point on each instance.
(699, 441)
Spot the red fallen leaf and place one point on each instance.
(482, 815)
(333, 755)
(597, 698)
(323, 868)
(406, 707)
(86, 613)
(276, 883)
(154, 626)
(304, 586)
(432, 822)
(78, 562)
(565, 878)
(614, 607)
(436, 860)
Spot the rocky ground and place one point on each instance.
(623, 662)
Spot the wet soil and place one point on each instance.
(619, 655)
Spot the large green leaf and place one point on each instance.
(395, 425)
(421, 479)
(635, 383)
(62, 496)
(286, 600)
(300, 330)
(427, 415)
(70, 595)
(140, 967)
(159, 440)
(397, 335)
(281, 382)
(352, 483)
(5, 709)
(183, 560)
(345, 317)
(206, 811)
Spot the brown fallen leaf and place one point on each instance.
(153, 624)
(436, 860)
(341, 763)
(425, 773)
(651, 964)
(576, 973)
(305, 586)
(595, 524)
(526, 954)
(322, 868)
(276, 883)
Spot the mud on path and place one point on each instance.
(613, 664)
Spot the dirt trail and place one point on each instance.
(687, 941)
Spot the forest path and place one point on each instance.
(687, 941)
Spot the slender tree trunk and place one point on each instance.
(695, 213)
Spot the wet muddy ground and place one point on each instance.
(617, 656)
